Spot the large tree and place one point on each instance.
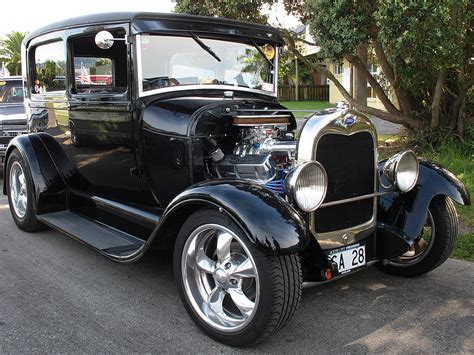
(246, 10)
(424, 50)
(10, 51)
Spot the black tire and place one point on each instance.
(28, 222)
(280, 281)
(445, 220)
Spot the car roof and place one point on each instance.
(151, 22)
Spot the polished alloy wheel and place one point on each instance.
(18, 189)
(422, 246)
(220, 278)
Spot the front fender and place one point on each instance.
(269, 222)
(407, 211)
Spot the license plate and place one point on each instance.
(348, 258)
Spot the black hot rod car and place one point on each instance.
(164, 130)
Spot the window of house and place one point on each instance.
(370, 92)
(50, 64)
(372, 68)
(338, 68)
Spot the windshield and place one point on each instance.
(176, 61)
(11, 91)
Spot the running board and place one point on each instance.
(107, 240)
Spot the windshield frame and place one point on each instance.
(143, 93)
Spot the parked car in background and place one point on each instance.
(12, 112)
(182, 145)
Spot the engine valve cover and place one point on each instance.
(260, 168)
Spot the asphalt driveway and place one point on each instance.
(57, 296)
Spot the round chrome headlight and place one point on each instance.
(402, 170)
(307, 185)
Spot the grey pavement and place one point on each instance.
(57, 296)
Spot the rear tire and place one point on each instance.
(233, 292)
(21, 197)
(442, 219)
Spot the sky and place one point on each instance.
(28, 15)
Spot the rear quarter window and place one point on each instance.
(50, 68)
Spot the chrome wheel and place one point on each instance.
(422, 247)
(18, 189)
(220, 278)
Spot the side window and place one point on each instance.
(96, 70)
(50, 65)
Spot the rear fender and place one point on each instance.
(49, 186)
(407, 211)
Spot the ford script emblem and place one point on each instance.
(349, 121)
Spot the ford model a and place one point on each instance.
(164, 130)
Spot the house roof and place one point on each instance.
(148, 22)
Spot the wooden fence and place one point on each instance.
(306, 92)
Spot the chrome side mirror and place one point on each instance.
(104, 40)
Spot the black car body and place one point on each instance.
(12, 112)
(164, 130)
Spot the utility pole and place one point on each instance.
(297, 81)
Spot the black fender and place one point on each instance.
(49, 188)
(407, 211)
(50, 168)
(269, 222)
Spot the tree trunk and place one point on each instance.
(389, 106)
(404, 99)
(461, 118)
(394, 115)
(360, 83)
(436, 104)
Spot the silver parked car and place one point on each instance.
(12, 111)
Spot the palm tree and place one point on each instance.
(10, 51)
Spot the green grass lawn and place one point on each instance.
(305, 105)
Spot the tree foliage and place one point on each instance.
(424, 49)
(245, 10)
(10, 51)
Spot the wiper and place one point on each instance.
(204, 46)
(260, 51)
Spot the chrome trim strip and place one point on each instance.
(129, 210)
(352, 199)
(200, 87)
(139, 75)
(333, 122)
(262, 116)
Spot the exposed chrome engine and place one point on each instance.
(265, 153)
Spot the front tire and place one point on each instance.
(435, 244)
(20, 189)
(232, 291)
